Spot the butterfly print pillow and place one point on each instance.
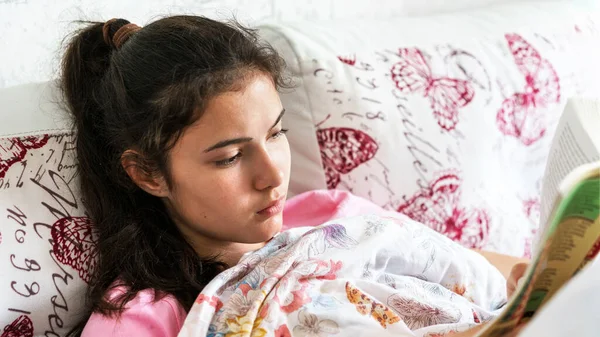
(449, 124)
(46, 241)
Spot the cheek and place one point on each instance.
(200, 191)
(284, 160)
(209, 200)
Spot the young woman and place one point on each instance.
(183, 161)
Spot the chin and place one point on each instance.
(269, 228)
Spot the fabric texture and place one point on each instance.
(383, 275)
(143, 316)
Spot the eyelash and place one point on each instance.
(230, 161)
(280, 133)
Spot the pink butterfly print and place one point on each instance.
(522, 114)
(74, 245)
(349, 60)
(439, 207)
(20, 327)
(412, 74)
(13, 150)
(342, 150)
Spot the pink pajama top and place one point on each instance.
(143, 316)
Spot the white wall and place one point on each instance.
(31, 30)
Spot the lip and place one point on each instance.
(273, 208)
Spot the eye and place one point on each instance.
(229, 161)
(279, 133)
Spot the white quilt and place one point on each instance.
(361, 276)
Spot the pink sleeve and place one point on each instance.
(317, 207)
(141, 317)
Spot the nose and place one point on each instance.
(267, 173)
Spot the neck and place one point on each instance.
(231, 253)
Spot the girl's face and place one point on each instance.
(230, 171)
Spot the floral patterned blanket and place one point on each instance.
(359, 276)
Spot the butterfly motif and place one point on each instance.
(368, 306)
(522, 114)
(20, 327)
(412, 74)
(342, 150)
(13, 150)
(417, 314)
(349, 60)
(439, 207)
(74, 245)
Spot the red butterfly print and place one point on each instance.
(349, 60)
(13, 150)
(439, 207)
(74, 245)
(20, 327)
(412, 74)
(342, 150)
(522, 114)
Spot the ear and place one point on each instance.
(152, 183)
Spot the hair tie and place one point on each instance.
(116, 38)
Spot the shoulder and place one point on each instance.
(142, 316)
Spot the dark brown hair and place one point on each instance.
(142, 96)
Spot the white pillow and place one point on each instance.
(419, 114)
(45, 238)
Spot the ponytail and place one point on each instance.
(131, 88)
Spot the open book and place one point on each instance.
(569, 215)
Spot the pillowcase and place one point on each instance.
(45, 237)
(447, 118)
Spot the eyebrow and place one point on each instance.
(227, 142)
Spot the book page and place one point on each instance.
(571, 241)
(567, 238)
(576, 142)
(573, 236)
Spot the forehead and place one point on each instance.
(240, 113)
